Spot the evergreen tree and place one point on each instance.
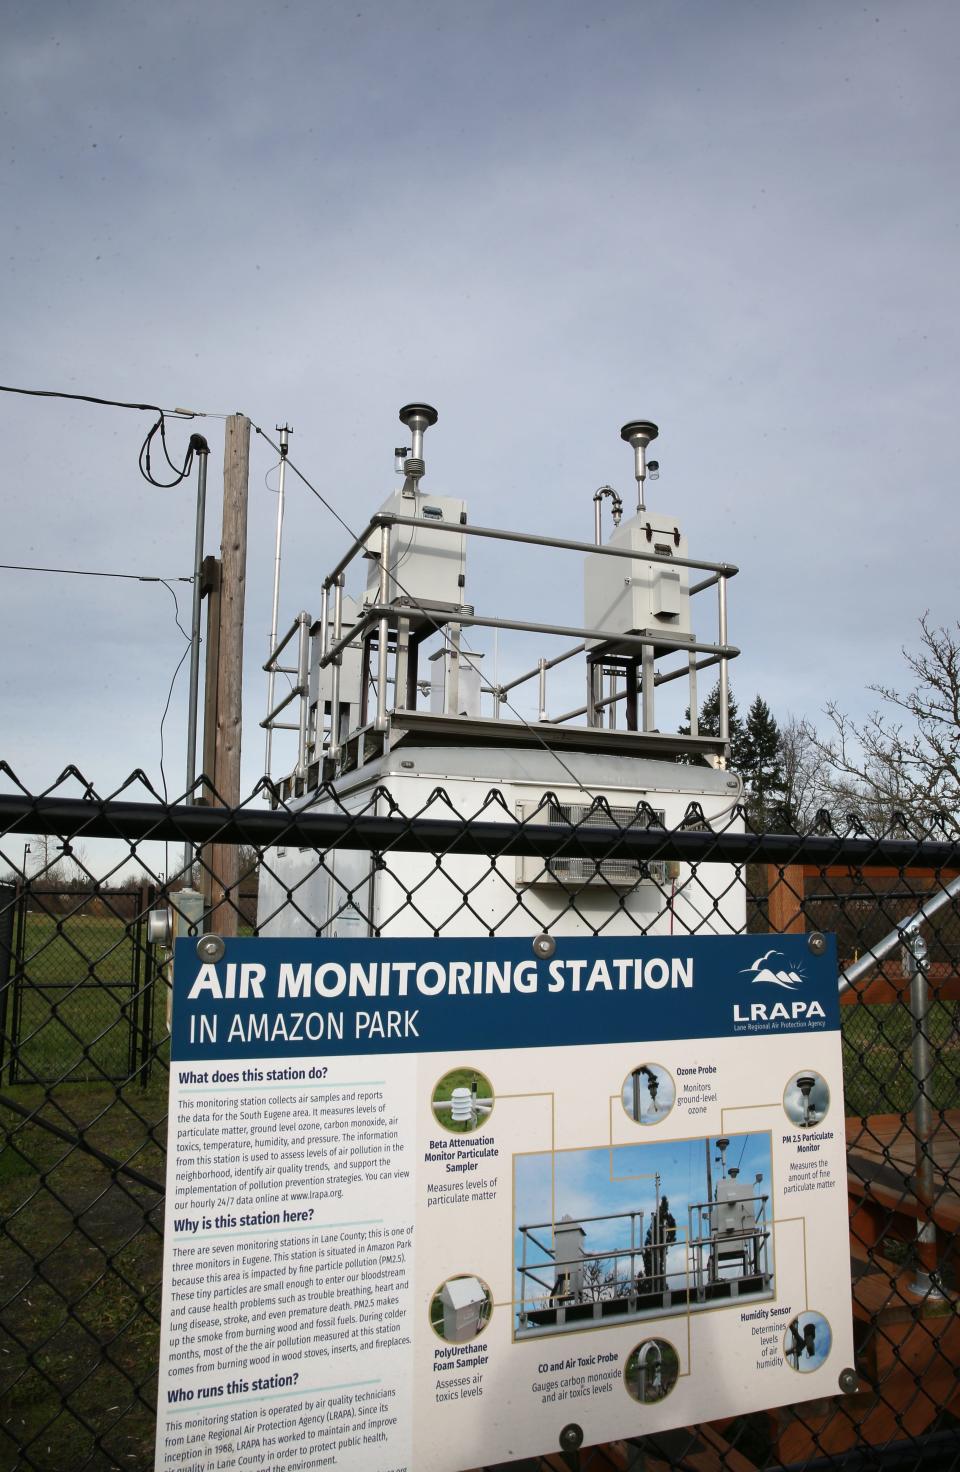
(709, 723)
(761, 764)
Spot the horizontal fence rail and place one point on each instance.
(84, 1062)
(139, 822)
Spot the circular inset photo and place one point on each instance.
(806, 1098)
(649, 1093)
(461, 1308)
(462, 1100)
(651, 1371)
(807, 1342)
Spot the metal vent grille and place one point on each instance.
(582, 871)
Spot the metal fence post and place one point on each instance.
(915, 964)
(8, 897)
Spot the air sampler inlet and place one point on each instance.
(638, 433)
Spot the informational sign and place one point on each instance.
(431, 1202)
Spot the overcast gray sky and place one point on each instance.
(739, 219)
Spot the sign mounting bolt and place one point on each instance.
(571, 1437)
(544, 946)
(849, 1383)
(210, 948)
(817, 943)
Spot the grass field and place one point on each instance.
(877, 1071)
(80, 1268)
(80, 1252)
(78, 1003)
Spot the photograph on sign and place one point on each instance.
(631, 1254)
(806, 1099)
(651, 1371)
(648, 1093)
(463, 1100)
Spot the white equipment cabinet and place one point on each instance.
(631, 597)
(425, 565)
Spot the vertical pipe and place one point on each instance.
(324, 645)
(694, 702)
(324, 642)
(272, 674)
(631, 680)
(523, 1276)
(202, 452)
(496, 675)
(303, 681)
(648, 679)
(383, 628)
(696, 1247)
(543, 689)
(766, 1243)
(611, 691)
(202, 455)
(915, 964)
(724, 679)
(335, 670)
(451, 683)
(709, 1175)
(591, 694)
(597, 532)
(324, 616)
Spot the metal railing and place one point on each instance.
(609, 651)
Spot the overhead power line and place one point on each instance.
(85, 572)
(180, 472)
(56, 393)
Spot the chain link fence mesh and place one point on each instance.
(84, 1064)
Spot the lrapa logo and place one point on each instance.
(772, 974)
(773, 969)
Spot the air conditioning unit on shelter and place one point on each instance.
(575, 871)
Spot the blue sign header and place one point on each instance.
(270, 998)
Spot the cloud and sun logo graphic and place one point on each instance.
(765, 969)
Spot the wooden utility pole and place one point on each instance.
(224, 858)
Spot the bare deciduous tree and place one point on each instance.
(599, 1280)
(806, 774)
(904, 767)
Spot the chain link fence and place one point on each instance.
(83, 1069)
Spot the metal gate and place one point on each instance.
(79, 1000)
